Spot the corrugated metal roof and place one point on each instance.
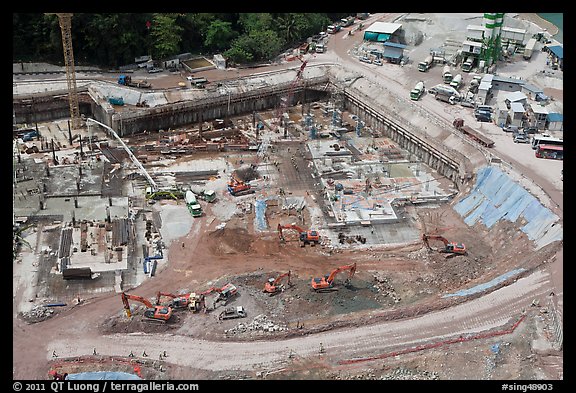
(393, 53)
(383, 27)
(517, 107)
(532, 88)
(557, 50)
(394, 45)
(555, 117)
(516, 96)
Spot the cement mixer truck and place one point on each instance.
(423, 66)
(417, 92)
(446, 74)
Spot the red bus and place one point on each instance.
(550, 151)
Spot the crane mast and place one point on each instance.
(65, 21)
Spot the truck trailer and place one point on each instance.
(529, 48)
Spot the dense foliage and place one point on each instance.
(112, 40)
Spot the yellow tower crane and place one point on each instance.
(65, 21)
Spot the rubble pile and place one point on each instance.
(38, 313)
(260, 323)
(407, 374)
(385, 288)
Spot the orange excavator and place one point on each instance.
(305, 236)
(272, 286)
(192, 301)
(237, 187)
(449, 247)
(152, 313)
(325, 284)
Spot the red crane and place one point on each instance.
(271, 286)
(325, 284)
(285, 102)
(154, 313)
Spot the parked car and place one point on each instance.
(154, 70)
(531, 130)
(521, 138)
(510, 128)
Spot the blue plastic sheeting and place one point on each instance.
(496, 196)
(487, 285)
(102, 375)
(260, 216)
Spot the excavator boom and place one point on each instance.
(326, 283)
(449, 247)
(154, 313)
(305, 236)
(272, 286)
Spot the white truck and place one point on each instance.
(425, 65)
(417, 92)
(446, 74)
(233, 312)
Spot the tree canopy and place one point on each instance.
(112, 40)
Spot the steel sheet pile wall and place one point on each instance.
(496, 196)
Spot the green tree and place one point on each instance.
(289, 27)
(166, 35)
(219, 35)
(255, 46)
(256, 21)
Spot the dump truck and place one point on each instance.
(446, 74)
(126, 80)
(417, 92)
(233, 312)
(423, 66)
(208, 196)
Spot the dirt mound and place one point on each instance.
(230, 241)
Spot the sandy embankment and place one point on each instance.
(543, 23)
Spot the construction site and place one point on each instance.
(307, 221)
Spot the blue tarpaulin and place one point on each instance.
(496, 196)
